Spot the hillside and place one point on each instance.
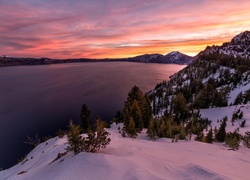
(139, 158)
(218, 77)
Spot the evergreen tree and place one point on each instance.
(221, 134)
(137, 116)
(85, 118)
(135, 94)
(74, 138)
(118, 117)
(200, 137)
(146, 111)
(209, 136)
(137, 107)
(126, 117)
(215, 132)
(161, 128)
(232, 139)
(152, 129)
(182, 134)
(98, 138)
(190, 126)
(180, 107)
(246, 139)
(131, 130)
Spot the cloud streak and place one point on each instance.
(113, 29)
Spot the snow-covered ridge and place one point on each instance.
(174, 57)
(238, 47)
(225, 68)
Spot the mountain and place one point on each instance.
(178, 58)
(218, 77)
(238, 47)
(174, 57)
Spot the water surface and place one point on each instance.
(41, 99)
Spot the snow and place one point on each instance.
(216, 114)
(233, 94)
(139, 158)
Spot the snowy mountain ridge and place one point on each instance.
(174, 57)
(238, 47)
(219, 77)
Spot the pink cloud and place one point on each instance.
(98, 29)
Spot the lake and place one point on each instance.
(41, 99)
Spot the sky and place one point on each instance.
(117, 29)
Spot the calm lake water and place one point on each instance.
(41, 99)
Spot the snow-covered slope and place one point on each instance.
(216, 77)
(216, 114)
(139, 158)
(238, 47)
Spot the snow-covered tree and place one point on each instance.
(75, 140)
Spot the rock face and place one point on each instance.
(238, 47)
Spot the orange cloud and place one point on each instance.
(115, 29)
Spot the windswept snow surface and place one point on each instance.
(217, 114)
(137, 159)
(233, 94)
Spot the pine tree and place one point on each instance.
(200, 137)
(135, 94)
(137, 107)
(246, 139)
(180, 107)
(137, 116)
(209, 136)
(232, 139)
(85, 118)
(215, 132)
(96, 139)
(161, 128)
(74, 138)
(146, 111)
(118, 117)
(182, 134)
(152, 131)
(221, 134)
(131, 130)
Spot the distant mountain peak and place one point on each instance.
(175, 52)
(174, 57)
(178, 58)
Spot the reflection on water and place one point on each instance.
(41, 99)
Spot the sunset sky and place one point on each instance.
(117, 28)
